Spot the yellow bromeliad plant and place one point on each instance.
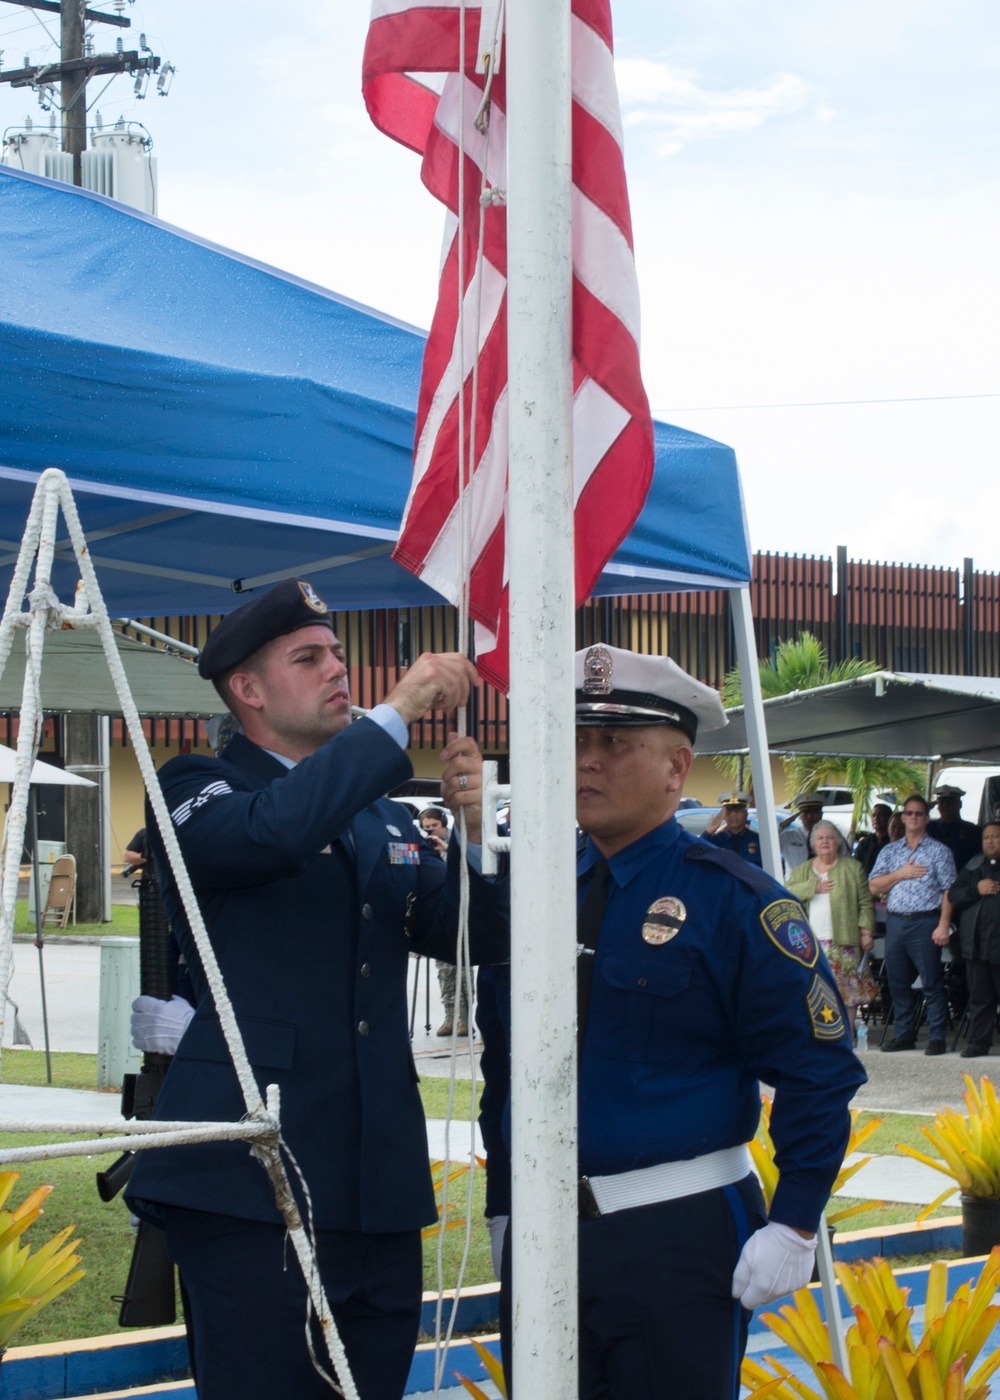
(762, 1152)
(30, 1280)
(884, 1362)
(493, 1369)
(969, 1144)
(455, 1170)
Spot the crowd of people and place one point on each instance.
(917, 893)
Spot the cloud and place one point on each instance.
(681, 109)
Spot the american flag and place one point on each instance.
(612, 428)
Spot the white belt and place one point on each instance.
(668, 1181)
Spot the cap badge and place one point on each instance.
(663, 920)
(311, 598)
(598, 667)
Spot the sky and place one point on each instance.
(816, 204)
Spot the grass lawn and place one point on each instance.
(124, 920)
(69, 1070)
(434, 1095)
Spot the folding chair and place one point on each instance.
(60, 902)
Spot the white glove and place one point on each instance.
(157, 1026)
(497, 1226)
(775, 1260)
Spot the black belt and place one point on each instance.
(920, 914)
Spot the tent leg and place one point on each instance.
(753, 700)
(760, 758)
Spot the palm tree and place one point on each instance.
(803, 664)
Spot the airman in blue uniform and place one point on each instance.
(737, 835)
(704, 979)
(315, 891)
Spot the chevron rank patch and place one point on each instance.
(824, 1010)
(785, 925)
(218, 789)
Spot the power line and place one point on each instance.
(823, 403)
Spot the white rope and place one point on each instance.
(89, 611)
(466, 479)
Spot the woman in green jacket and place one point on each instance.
(834, 890)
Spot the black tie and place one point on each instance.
(588, 931)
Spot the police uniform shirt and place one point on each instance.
(746, 843)
(961, 837)
(706, 980)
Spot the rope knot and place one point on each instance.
(494, 196)
(43, 598)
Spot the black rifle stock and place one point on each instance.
(149, 1297)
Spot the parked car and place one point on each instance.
(695, 819)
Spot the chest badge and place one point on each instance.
(663, 920)
(394, 831)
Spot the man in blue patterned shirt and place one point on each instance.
(913, 876)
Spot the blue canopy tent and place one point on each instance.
(224, 424)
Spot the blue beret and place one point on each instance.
(291, 604)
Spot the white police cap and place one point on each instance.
(616, 687)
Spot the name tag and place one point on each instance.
(403, 853)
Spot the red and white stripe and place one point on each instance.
(613, 432)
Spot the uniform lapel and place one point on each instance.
(371, 840)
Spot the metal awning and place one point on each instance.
(76, 679)
(888, 714)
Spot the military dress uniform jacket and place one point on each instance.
(315, 890)
(708, 979)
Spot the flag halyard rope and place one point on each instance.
(466, 466)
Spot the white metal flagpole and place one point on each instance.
(540, 524)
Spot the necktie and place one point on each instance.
(588, 930)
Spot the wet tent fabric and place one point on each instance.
(224, 424)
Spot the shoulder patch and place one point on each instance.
(784, 922)
(824, 1010)
(750, 875)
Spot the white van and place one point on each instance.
(981, 799)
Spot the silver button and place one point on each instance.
(362, 1028)
(366, 969)
(366, 911)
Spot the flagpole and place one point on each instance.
(540, 525)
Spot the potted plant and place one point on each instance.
(28, 1281)
(884, 1361)
(969, 1144)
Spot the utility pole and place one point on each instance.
(76, 67)
(74, 84)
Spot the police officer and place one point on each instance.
(704, 979)
(950, 828)
(314, 891)
(738, 835)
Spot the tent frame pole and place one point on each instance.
(543, 955)
(767, 826)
